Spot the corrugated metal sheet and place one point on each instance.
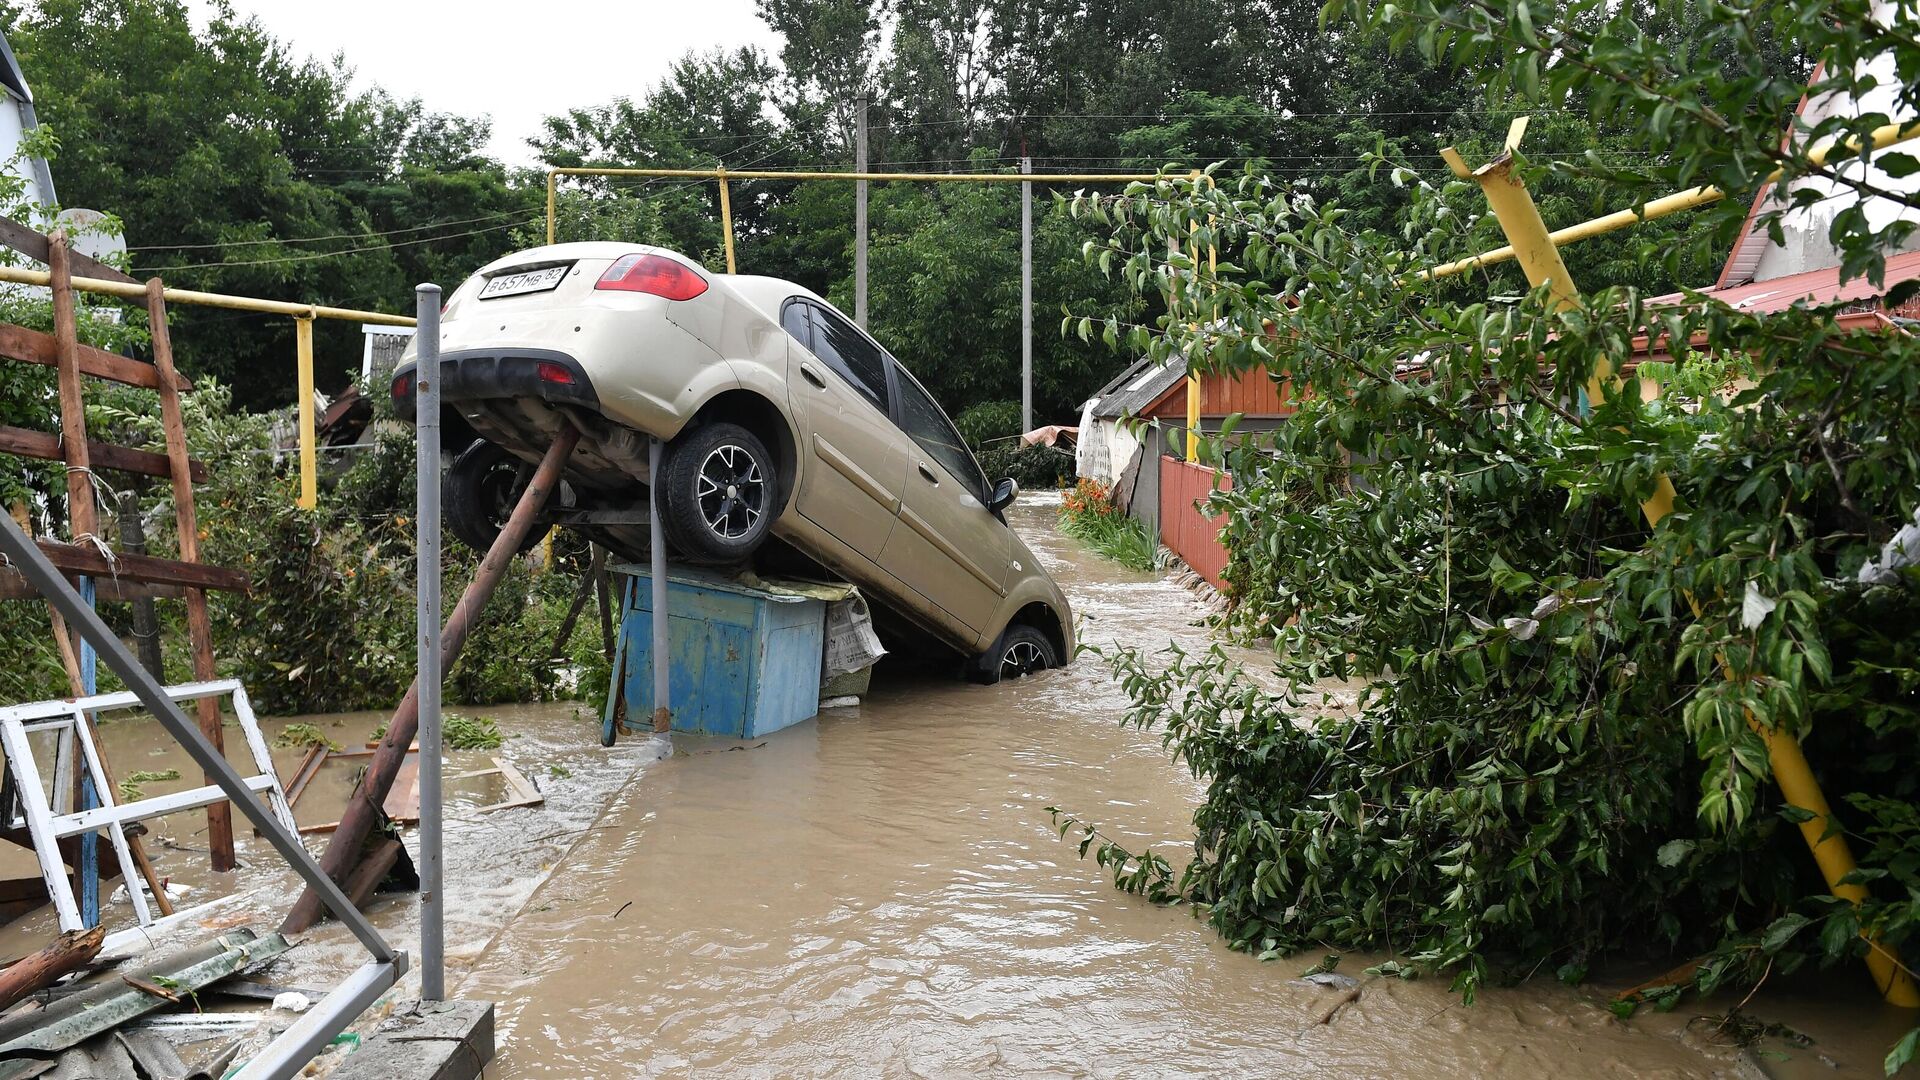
(1813, 286)
(1183, 528)
(1139, 387)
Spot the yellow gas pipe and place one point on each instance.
(1538, 253)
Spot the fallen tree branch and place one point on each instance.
(70, 951)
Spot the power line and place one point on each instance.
(315, 255)
(330, 236)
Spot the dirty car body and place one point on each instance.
(781, 420)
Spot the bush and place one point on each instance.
(1034, 468)
(1564, 746)
(1087, 514)
(988, 421)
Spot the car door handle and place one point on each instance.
(812, 376)
(927, 472)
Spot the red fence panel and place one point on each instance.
(1186, 531)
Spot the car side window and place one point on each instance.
(928, 426)
(793, 319)
(849, 353)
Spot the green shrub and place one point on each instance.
(988, 421)
(1087, 514)
(1035, 468)
(1563, 748)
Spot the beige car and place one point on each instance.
(792, 440)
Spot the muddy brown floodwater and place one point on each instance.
(879, 893)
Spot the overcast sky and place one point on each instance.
(512, 62)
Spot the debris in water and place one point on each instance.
(1332, 979)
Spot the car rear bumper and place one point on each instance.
(479, 374)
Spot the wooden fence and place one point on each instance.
(1184, 529)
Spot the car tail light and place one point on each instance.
(403, 386)
(653, 274)
(552, 372)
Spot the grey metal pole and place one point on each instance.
(657, 572)
(1026, 297)
(427, 641)
(860, 211)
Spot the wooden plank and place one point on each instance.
(87, 559)
(199, 627)
(33, 244)
(82, 523)
(13, 586)
(34, 347)
(303, 774)
(524, 793)
(46, 447)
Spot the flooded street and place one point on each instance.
(879, 893)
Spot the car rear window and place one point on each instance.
(793, 318)
(847, 351)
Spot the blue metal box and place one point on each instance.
(744, 662)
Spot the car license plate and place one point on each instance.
(526, 281)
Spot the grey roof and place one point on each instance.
(1137, 387)
(10, 75)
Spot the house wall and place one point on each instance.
(1806, 245)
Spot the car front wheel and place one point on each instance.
(1021, 650)
(719, 493)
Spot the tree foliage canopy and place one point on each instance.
(1561, 747)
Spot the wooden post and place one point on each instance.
(70, 951)
(146, 622)
(199, 627)
(82, 523)
(364, 807)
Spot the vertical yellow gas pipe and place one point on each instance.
(1535, 251)
(303, 358)
(1193, 379)
(726, 220)
(551, 221)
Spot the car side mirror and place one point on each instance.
(1004, 493)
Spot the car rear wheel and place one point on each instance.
(1021, 650)
(479, 493)
(719, 493)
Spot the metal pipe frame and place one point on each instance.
(723, 175)
(133, 291)
(290, 1053)
(1880, 139)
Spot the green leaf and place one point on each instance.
(1782, 931)
(1903, 1051)
(1674, 852)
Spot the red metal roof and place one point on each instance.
(1813, 286)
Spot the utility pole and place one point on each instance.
(1026, 295)
(860, 211)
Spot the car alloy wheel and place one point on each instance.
(1021, 658)
(732, 491)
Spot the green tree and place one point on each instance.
(238, 167)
